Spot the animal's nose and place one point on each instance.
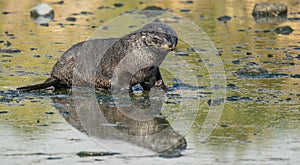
(172, 47)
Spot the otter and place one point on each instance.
(118, 63)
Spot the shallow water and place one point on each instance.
(259, 123)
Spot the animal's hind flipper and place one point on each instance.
(48, 83)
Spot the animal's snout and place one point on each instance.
(172, 47)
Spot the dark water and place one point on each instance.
(224, 118)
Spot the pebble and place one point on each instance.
(285, 30)
(86, 13)
(236, 61)
(231, 86)
(49, 113)
(187, 2)
(88, 153)
(3, 112)
(71, 19)
(153, 8)
(252, 69)
(33, 49)
(224, 19)
(118, 4)
(103, 7)
(58, 3)
(6, 12)
(185, 10)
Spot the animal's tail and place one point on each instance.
(48, 83)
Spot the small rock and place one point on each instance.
(236, 62)
(6, 12)
(86, 13)
(231, 86)
(87, 153)
(153, 8)
(71, 19)
(54, 158)
(59, 2)
(249, 53)
(270, 55)
(285, 30)
(43, 9)
(49, 113)
(42, 14)
(9, 34)
(185, 10)
(118, 4)
(269, 9)
(233, 98)
(252, 69)
(224, 18)
(187, 2)
(5, 43)
(103, 7)
(295, 76)
(32, 49)
(3, 112)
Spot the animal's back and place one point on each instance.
(78, 64)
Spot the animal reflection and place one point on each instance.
(135, 120)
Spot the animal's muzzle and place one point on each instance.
(172, 47)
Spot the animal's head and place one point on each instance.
(159, 36)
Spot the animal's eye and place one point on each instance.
(155, 39)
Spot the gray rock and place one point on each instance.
(42, 14)
(252, 70)
(285, 30)
(153, 8)
(224, 18)
(42, 9)
(269, 9)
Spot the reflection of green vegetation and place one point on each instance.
(242, 121)
(28, 115)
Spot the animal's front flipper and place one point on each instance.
(154, 81)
